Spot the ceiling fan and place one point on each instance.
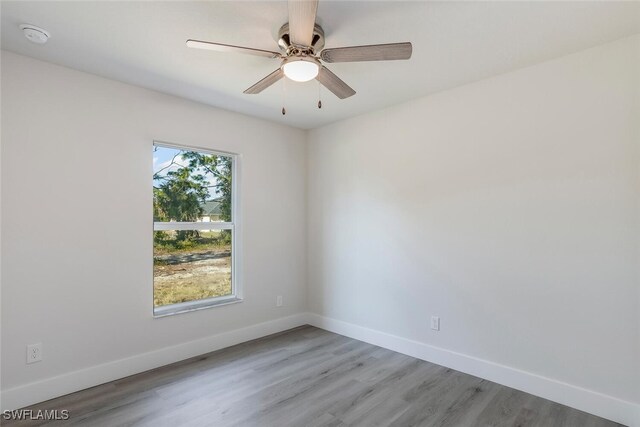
(301, 41)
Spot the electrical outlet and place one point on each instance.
(34, 353)
(279, 301)
(435, 323)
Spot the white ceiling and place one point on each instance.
(454, 43)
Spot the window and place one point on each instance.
(194, 229)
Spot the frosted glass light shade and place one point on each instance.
(301, 70)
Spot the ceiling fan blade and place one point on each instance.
(302, 18)
(199, 44)
(374, 52)
(266, 82)
(334, 84)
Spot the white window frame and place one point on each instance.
(236, 282)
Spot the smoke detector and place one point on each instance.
(35, 34)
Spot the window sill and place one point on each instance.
(186, 307)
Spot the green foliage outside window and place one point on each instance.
(183, 186)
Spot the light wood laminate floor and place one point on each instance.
(309, 377)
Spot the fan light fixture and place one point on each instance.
(301, 69)
(299, 40)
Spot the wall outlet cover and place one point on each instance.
(34, 353)
(435, 323)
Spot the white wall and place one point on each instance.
(76, 223)
(509, 207)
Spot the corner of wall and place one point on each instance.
(307, 284)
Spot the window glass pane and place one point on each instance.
(191, 186)
(191, 265)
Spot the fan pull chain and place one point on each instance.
(319, 95)
(284, 93)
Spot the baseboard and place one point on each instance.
(614, 409)
(60, 385)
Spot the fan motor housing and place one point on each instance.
(317, 41)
